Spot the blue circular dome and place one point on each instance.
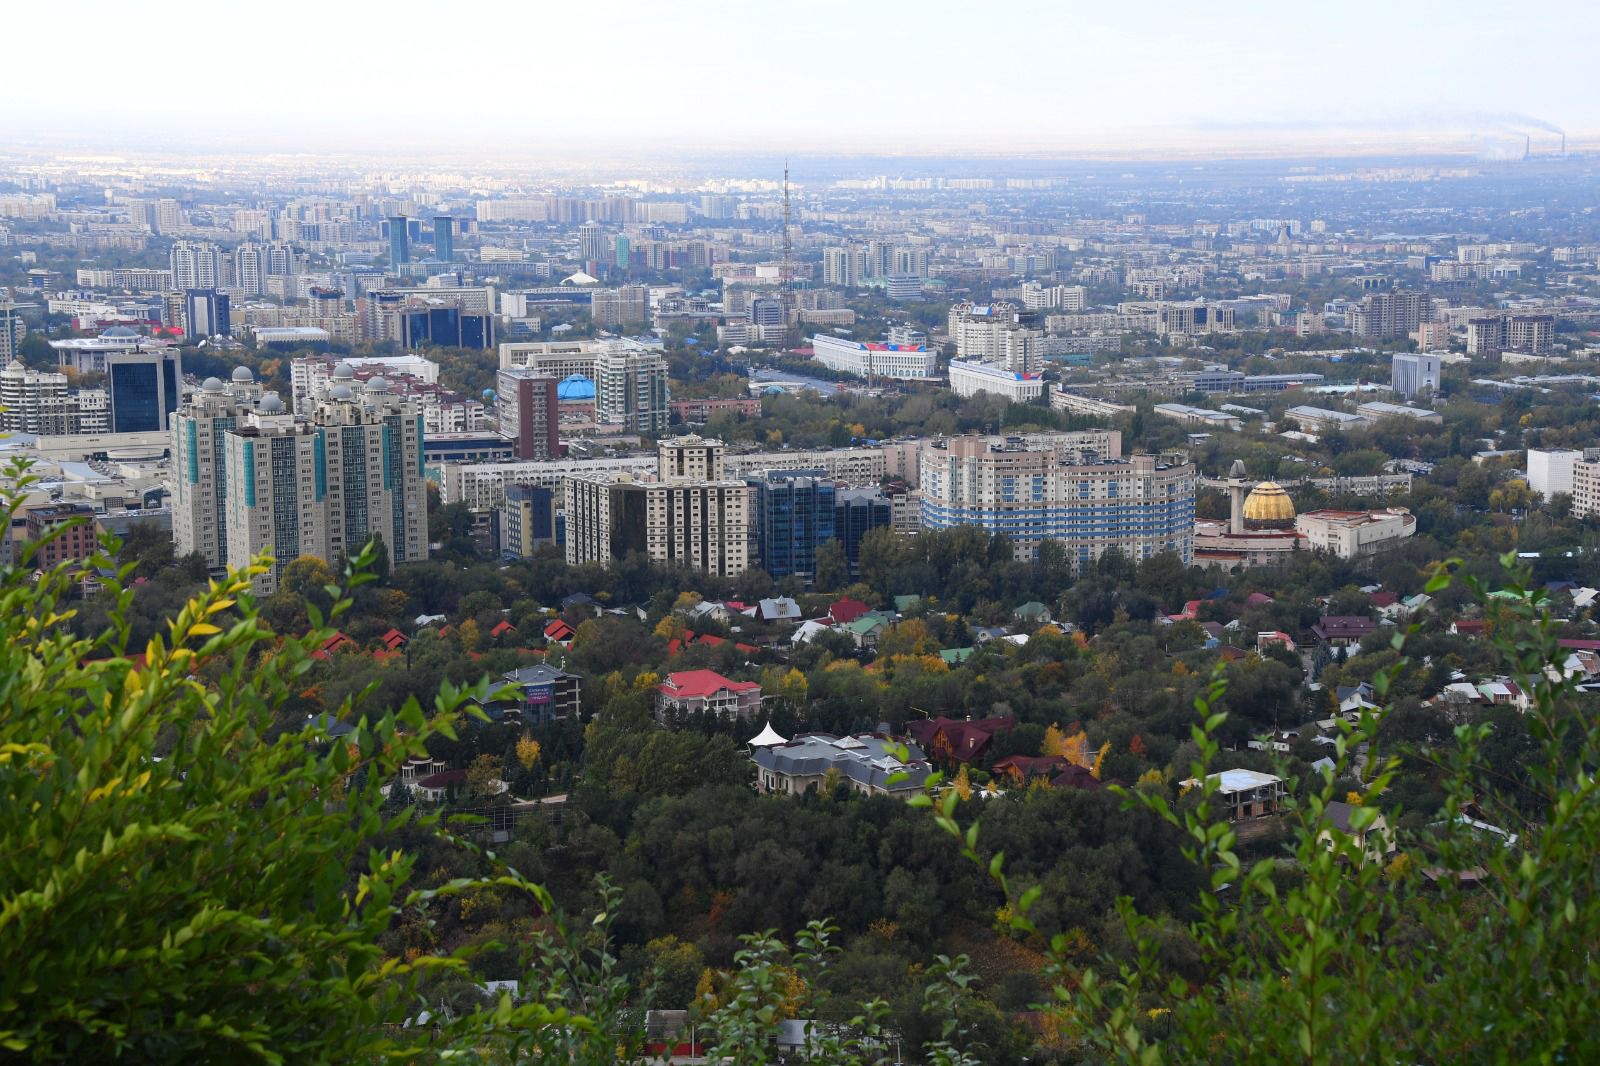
(575, 387)
(488, 394)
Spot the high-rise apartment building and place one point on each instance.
(529, 412)
(1411, 373)
(675, 520)
(794, 516)
(613, 308)
(251, 477)
(844, 266)
(592, 245)
(197, 265)
(1585, 489)
(31, 401)
(631, 389)
(1530, 334)
(13, 331)
(1137, 506)
(199, 473)
(254, 263)
(399, 241)
(1391, 314)
(1527, 334)
(527, 520)
(994, 333)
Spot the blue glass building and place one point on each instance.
(794, 515)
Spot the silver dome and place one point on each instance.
(344, 372)
(243, 374)
(211, 385)
(341, 392)
(377, 384)
(271, 404)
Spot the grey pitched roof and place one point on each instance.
(863, 758)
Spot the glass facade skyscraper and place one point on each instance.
(399, 241)
(444, 238)
(855, 513)
(794, 517)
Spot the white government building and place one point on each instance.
(903, 361)
(970, 379)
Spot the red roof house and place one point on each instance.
(558, 630)
(335, 643)
(501, 628)
(846, 611)
(394, 640)
(707, 690)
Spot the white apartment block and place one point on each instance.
(557, 359)
(630, 389)
(1550, 470)
(902, 362)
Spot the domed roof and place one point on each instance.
(271, 404)
(344, 372)
(1268, 505)
(575, 387)
(211, 385)
(378, 383)
(242, 374)
(120, 331)
(341, 392)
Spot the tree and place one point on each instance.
(1346, 959)
(184, 888)
(833, 566)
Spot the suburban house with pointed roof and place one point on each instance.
(690, 691)
(957, 740)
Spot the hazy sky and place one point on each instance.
(925, 76)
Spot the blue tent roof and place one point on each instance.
(575, 387)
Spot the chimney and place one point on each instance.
(1527, 145)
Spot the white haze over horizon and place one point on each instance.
(881, 76)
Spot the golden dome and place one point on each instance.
(1268, 506)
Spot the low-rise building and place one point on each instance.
(1199, 416)
(547, 693)
(706, 691)
(1376, 409)
(970, 379)
(1350, 534)
(1323, 419)
(866, 762)
(1246, 794)
(903, 361)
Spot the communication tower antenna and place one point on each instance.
(786, 295)
(786, 269)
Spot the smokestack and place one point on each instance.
(1527, 145)
(1563, 144)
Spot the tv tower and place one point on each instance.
(786, 295)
